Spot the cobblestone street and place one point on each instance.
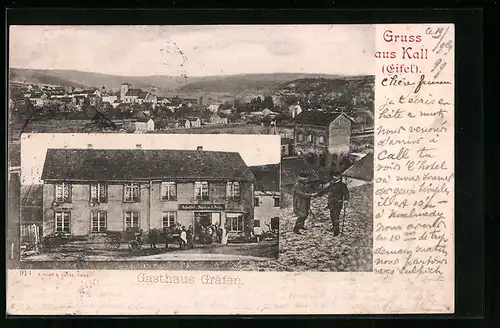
(317, 249)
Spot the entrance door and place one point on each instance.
(202, 221)
(216, 219)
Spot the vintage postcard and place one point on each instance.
(266, 169)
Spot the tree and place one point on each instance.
(237, 104)
(184, 110)
(267, 103)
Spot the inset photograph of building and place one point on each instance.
(205, 198)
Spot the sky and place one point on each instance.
(196, 50)
(258, 149)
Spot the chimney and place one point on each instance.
(138, 146)
(199, 148)
(89, 146)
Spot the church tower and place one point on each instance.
(123, 90)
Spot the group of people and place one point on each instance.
(186, 236)
(215, 233)
(338, 196)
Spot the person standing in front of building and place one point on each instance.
(301, 202)
(225, 232)
(189, 237)
(338, 197)
(183, 237)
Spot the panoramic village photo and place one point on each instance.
(96, 199)
(301, 203)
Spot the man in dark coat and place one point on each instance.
(338, 195)
(301, 202)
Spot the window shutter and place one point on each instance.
(174, 190)
(104, 193)
(69, 186)
(138, 186)
(93, 192)
(124, 192)
(237, 189)
(57, 192)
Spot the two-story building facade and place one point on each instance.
(323, 138)
(267, 196)
(91, 191)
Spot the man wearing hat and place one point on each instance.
(338, 194)
(301, 202)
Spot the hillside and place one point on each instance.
(243, 84)
(88, 79)
(231, 85)
(359, 89)
(326, 85)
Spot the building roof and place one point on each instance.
(31, 200)
(133, 92)
(292, 166)
(315, 117)
(139, 164)
(142, 94)
(267, 177)
(362, 169)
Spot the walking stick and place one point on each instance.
(343, 216)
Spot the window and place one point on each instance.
(321, 140)
(309, 137)
(256, 201)
(276, 202)
(233, 190)
(235, 222)
(201, 190)
(63, 221)
(131, 220)
(168, 219)
(63, 193)
(168, 191)
(98, 193)
(300, 137)
(98, 221)
(256, 223)
(131, 193)
(275, 223)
